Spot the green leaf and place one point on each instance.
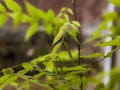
(2, 8)
(95, 55)
(8, 71)
(109, 54)
(25, 18)
(60, 33)
(7, 81)
(73, 36)
(3, 78)
(115, 42)
(115, 29)
(3, 18)
(16, 17)
(35, 12)
(38, 60)
(65, 57)
(70, 11)
(12, 5)
(27, 66)
(58, 37)
(115, 2)
(50, 21)
(75, 68)
(76, 23)
(50, 56)
(50, 66)
(97, 34)
(22, 72)
(110, 15)
(39, 75)
(74, 29)
(103, 25)
(50, 15)
(49, 28)
(66, 17)
(68, 50)
(31, 31)
(57, 47)
(63, 9)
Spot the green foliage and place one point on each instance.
(17, 18)
(27, 66)
(115, 2)
(76, 23)
(2, 9)
(6, 79)
(7, 71)
(3, 15)
(56, 74)
(114, 32)
(57, 47)
(115, 42)
(34, 12)
(76, 68)
(112, 85)
(60, 24)
(31, 31)
(51, 22)
(109, 17)
(60, 34)
(16, 8)
(13, 6)
(3, 18)
(95, 55)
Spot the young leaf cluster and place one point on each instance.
(70, 28)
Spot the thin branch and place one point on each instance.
(78, 45)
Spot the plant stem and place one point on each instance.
(75, 15)
(78, 45)
(113, 58)
(75, 18)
